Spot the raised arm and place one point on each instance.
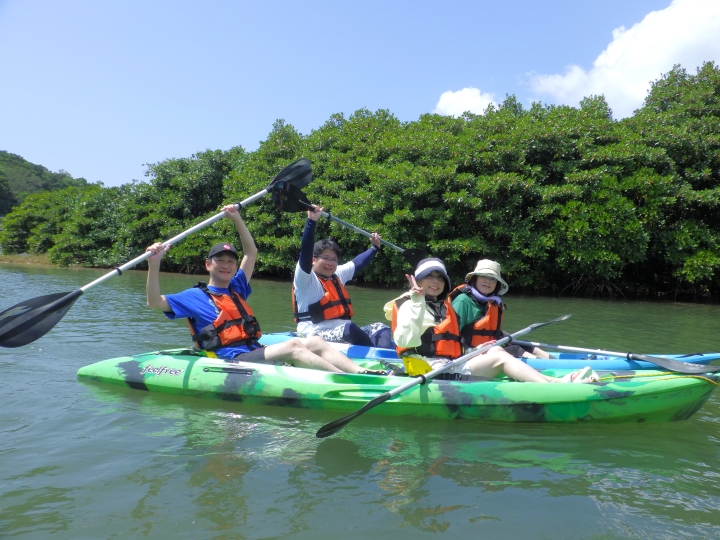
(307, 243)
(155, 300)
(362, 260)
(250, 251)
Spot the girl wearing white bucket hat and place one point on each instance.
(427, 333)
(480, 309)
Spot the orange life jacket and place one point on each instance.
(441, 340)
(334, 304)
(235, 325)
(485, 329)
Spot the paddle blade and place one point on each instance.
(336, 425)
(675, 365)
(289, 198)
(298, 173)
(30, 320)
(415, 255)
(561, 318)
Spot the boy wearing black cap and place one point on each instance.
(220, 319)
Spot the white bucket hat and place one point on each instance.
(489, 268)
(428, 266)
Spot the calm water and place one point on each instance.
(81, 460)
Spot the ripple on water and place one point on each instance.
(97, 461)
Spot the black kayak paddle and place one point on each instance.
(336, 425)
(667, 363)
(289, 198)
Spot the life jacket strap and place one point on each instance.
(316, 311)
(490, 333)
(210, 335)
(446, 336)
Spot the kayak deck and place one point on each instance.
(562, 360)
(622, 396)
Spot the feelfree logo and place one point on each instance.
(160, 370)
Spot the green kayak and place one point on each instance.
(620, 396)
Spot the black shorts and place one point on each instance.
(257, 356)
(517, 350)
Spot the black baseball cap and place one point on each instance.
(217, 249)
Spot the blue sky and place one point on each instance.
(99, 88)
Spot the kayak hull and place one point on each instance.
(629, 396)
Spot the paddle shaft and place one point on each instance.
(668, 363)
(27, 321)
(336, 425)
(574, 349)
(358, 230)
(351, 226)
(469, 356)
(137, 260)
(446, 367)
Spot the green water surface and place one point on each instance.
(81, 460)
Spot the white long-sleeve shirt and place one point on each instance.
(308, 290)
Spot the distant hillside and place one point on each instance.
(20, 178)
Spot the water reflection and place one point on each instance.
(96, 461)
(340, 457)
(430, 476)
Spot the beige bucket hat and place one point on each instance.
(489, 268)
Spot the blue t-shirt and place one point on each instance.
(195, 304)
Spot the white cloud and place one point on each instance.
(687, 33)
(468, 99)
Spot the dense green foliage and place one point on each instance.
(98, 226)
(7, 198)
(567, 199)
(20, 178)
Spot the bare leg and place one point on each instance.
(497, 361)
(296, 353)
(328, 353)
(539, 353)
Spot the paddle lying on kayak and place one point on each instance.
(336, 425)
(667, 363)
(27, 321)
(289, 198)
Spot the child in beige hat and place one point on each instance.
(480, 309)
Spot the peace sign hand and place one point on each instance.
(414, 288)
